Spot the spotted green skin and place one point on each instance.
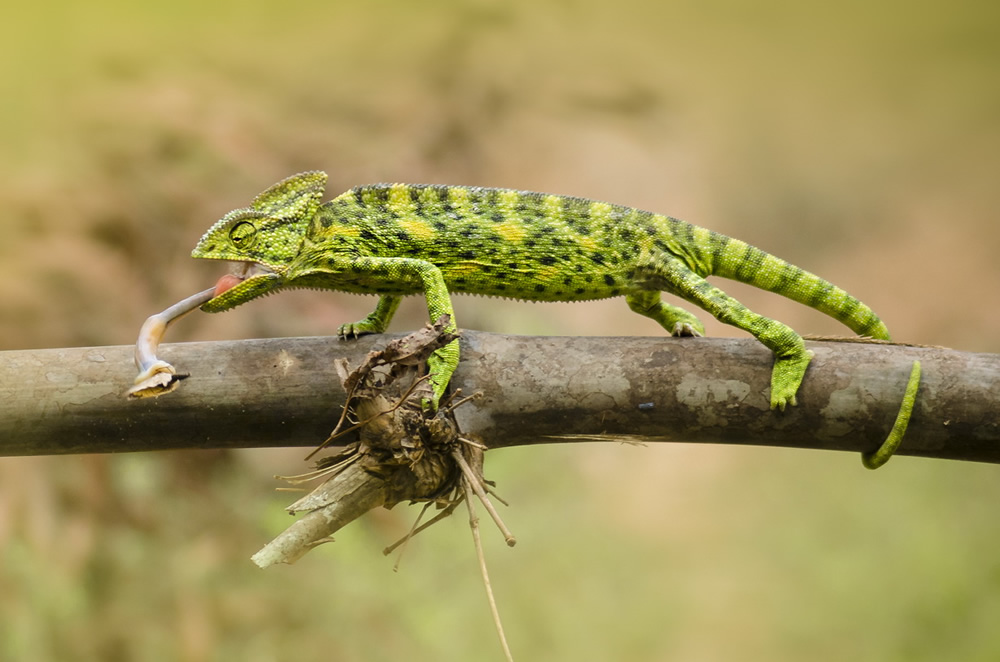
(395, 240)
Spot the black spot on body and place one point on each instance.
(539, 288)
(609, 280)
(597, 258)
(547, 260)
(497, 217)
(467, 255)
(368, 235)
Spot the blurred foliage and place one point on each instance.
(858, 140)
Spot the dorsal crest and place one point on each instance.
(297, 196)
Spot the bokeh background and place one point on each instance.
(860, 140)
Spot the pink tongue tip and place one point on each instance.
(227, 282)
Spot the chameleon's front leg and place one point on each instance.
(376, 322)
(409, 274)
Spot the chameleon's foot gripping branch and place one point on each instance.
(876, 459)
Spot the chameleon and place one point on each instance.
(395, 240)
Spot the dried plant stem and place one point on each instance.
(434, 520)
(474, 525)
(409, 536)
(473, 480)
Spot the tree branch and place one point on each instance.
(285, 392)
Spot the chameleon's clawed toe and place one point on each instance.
(682, 329)
(348, 332)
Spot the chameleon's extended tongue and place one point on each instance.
(227, 282)
(157, 377)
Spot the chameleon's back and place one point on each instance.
(497, 242)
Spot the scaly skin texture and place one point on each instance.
(399, 239)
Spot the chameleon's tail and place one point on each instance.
(735, 259)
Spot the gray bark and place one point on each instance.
(285, 392)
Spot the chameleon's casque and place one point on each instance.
(399, 239)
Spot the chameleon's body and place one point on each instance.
(399, 239)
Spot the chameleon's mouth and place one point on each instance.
(240, 272)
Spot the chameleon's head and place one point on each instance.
(262, 239)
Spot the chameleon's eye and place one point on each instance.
(243, 234)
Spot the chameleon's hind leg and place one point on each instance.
(790, 354)
(376, 322)
(677, 321)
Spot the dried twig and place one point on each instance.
(474, 525)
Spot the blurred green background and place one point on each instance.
(859, 140)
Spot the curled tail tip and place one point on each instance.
(888, 448)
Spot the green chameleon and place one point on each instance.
(399, 239)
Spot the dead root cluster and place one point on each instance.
(403, 452)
